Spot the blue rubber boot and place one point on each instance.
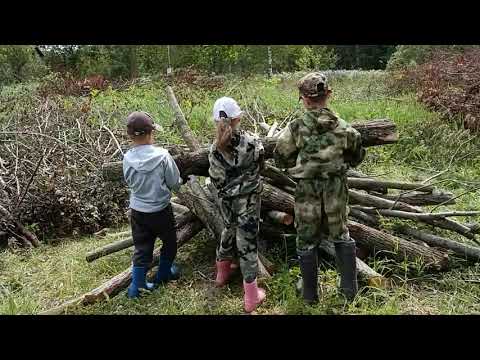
(139, 274)
(167, 271)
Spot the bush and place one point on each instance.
(320, 58)
(409, 56)
(450, 84)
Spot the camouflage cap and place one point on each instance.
(313, 84)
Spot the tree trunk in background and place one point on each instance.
(270, 69)
(132, 61)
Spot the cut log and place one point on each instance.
(196, 163)
(367, 219)
(181, 123)
(376, 132)
(395, 247)
(280, 217)
(356, 197)
(422, 199)
(382, 186)
(180, 221)
(122, 280)
(109, 249)
(462, 250)
(425, 218)
(278, 177)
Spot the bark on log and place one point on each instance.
(377, 132)
(277, 176)
(122, 280)
(357, 197)
(181, 123)
(398, 248)
(366, 236)
(422, 199)
(196, 163)
(180, 221)
(367, 219)
(462, 250)
(435, 221)
(382, 186)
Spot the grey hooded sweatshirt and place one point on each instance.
(151, 174)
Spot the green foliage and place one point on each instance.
(320, 58)
(19, 63)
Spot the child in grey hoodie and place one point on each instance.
(151, 175)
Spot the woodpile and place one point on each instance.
(370, 200)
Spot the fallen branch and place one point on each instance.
(119, 282)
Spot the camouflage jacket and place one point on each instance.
(318, 145)
(240, 173)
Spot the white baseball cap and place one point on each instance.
(227, 105)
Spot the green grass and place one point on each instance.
(38, 279)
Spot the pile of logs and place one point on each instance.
(370, 200)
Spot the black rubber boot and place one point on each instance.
(346, 264)
(309, 269)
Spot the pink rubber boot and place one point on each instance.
(254, 296)
(223, 272)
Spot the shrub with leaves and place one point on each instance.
(450, 84)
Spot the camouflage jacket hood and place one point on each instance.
(317, 145)
(240, 173)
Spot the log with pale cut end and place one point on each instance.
(196, 163)
(398, 248)
(280, 217)
(119, 282)
(462, 250)
(180, 221)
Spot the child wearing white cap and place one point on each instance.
(236, 159)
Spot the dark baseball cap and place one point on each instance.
(140, 123)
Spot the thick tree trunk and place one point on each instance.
(462, 250)
(392, 246)
(196, 163)
(122, 280)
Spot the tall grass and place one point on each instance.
(34, 280)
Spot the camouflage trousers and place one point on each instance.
(241, 216)
(321, 211)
